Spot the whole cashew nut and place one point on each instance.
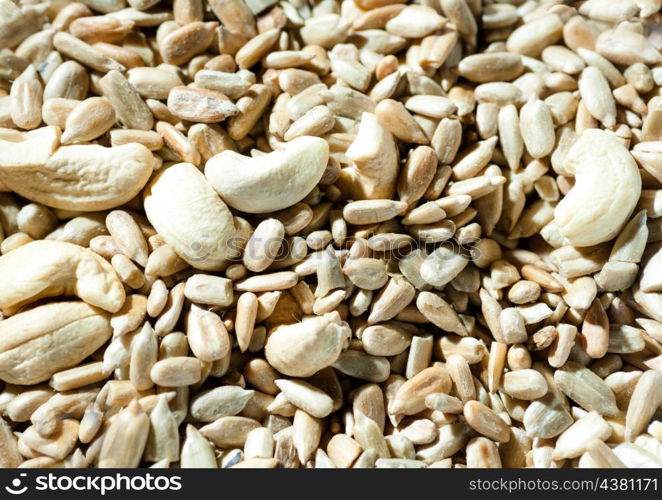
(85, 177)
(606, 191)
(269, 182)
(193, 220)
(46, 339)
(48, 268)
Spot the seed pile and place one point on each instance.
(357, 233)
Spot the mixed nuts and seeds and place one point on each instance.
(331, 233)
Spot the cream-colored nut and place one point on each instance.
(233, 85)
(177, 371)
(81, 177)
(174, 202)
(415, 21)
(263, 245)
(374, 156)
(153, 83)
(409, 398)
(258, 46)
(126, 438)
(537, 128)
(42, 341)
(525, 384)
(88, 120)
(441, 266)
(531, 38)
(219, 402)
(325, 30)
(606, 191)
(47, 268)
(491, 67)
(127, 271)
(385, 339)
(14, 241)
(27, 149)
(36, 220)
(627, 46)
(69, 81)
(272, 181)
(73, 48)
(366, 273)
(597, 97)
(307, 397)
(206, 289)
(181, 44)
(304, 348)
(207, 335)
(56, 110)
(200, 105)
(27, 95)
(372, 211)
(572, 443)
(127, 236)
(650, 280)
(649, 156)
(57, 445)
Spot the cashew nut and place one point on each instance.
(374, 170)
(302, 349)
(27, 149)
(48, 268)
(82, 177)
(606, 191)
(39, 342)
(191, 218)
(269, 182)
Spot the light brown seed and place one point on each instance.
(180, 45)
(484, 421)
(129, 107)
(440, 313)
(126, 438)
(586, 388)
(200, 105)
(410, 397)
(642, 404)
(26, 99)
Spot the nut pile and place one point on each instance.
(336, 233)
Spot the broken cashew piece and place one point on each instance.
(27, 149)
(606, 191)
(48, 268)
(272, 181)
(302, 349)
(193, 220)
(374, 169)
(41, 341)
(85, 177)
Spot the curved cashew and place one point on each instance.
(302, 349)
(47, 268)
(272, 181)
(374, 170)
(607, 188)
(82, 177)
(193, 220)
